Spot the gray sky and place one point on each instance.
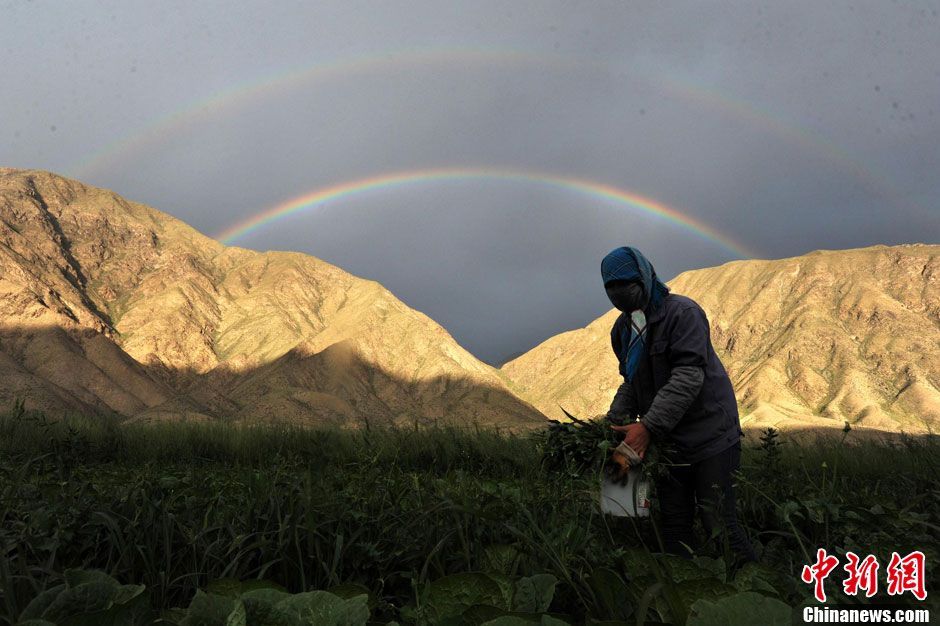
(783, 126)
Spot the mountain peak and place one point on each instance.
(162, 321)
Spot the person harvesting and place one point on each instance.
(676, 392)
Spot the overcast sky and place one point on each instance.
(782, 127)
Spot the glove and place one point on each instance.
(621, 460)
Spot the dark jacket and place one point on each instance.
(680, 358)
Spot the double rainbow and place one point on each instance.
(320, 71)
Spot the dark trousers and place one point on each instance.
(706, 485)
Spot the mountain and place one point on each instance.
(108, 305)
(815, 340)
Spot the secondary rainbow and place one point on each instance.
(399, 179)
(226, 101)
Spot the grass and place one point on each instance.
(177, 506)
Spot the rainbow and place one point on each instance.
(174, 123)
(242, 93)
(811, 142)
(399, 179)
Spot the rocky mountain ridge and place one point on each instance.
(829, 337)
(110, 305)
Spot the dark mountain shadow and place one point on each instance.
(61, 371)
(58, 371)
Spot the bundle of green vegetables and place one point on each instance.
(583, 447)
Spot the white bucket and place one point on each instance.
(629, 500)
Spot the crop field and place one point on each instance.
(110, 523)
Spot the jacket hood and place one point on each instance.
(627, 263)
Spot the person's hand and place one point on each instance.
(617, 467)
(636, 436)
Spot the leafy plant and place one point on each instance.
(740, 608)
(770, 446)
(380, 518)
(578, 446)
(468, 598)
(88, 598)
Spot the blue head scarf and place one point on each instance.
(628, 263)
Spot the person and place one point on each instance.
(677, 394)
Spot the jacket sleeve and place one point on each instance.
(623, 408)
(688, 353)
(673, 399)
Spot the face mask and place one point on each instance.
(627, 296)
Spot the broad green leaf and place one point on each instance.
(321, 608)
(38, 605)
(135, 612)
(506, 586)
(526, 620)
(209, 609)
(755, 577)
(89, 597)
(263, 608)
(534, 594)
(126, 593)
(709, 588)
(741, 608)
(35, 622)
(76, 577)
(314, 605)
(480, 613)
(715, 566)
(452, 595)
(636, 563)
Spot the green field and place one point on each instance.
(430, 526)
